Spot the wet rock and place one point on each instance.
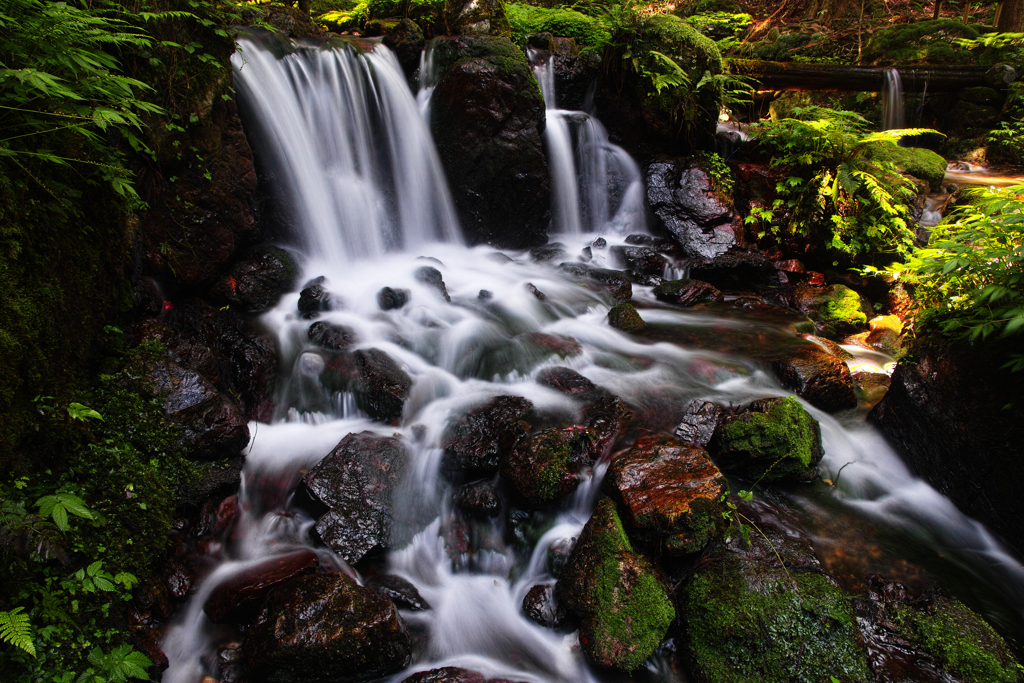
(380, 385)
(639, 261)
(212, 425)
(487, 115)
(558, 555)
(662, 245)
(548, 465)
(750, 618)
(615, 282)
(331, 337)
(684, 204)
(480, 439)
(672, 493)
(235, 599)
(599, 243)
(870, 387)
(772, 439)
(540, 607)
(836, 310)
(479, 498)
(390, 299)
(549, 252)
(314, 298)
(586, 255)
(566, 381)
(606, 419)
(624, 607)
(479, 18)
(624, 317)
(258, 280)
(399, 591)
(485, 295)
(687, 292)
(431, 277)
(356, 482)
(700, 419)
(815, 375)
(539, 295)
(887, 335)
(734, 271)
(406, 40)
(325, 628)
(563, 347)
(447, 674)
(178, 579)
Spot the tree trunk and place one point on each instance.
(1011, 18)
(797, 76)
(938, 9)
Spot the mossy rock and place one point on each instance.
(928, 42)
(835, 310)
(547, 465)
(916, 161)
(772, 439)
(526, 19)
(625, 318)
(624, 606)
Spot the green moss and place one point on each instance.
(625, 318)
(800, 630)
(922, 41)
(526, 19)
(920, 163)
(961, 641)
(785, 442)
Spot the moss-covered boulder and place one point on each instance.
(763, 611)
(773, 439)
(624, 607)
(916, 161)
(836, 309)
(548, 465)
(559, 21)
(928, 42)
(625, 318)
(477, 18)
(671, 492)
(487, 114)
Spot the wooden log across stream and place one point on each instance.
(793, 76)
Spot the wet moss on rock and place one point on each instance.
(921, 41)
(918, 162)
(626, 318)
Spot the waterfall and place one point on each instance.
(596, 185)
(892, 101)
(356, 159)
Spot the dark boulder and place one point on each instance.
(566, 381)
(406, 40)
(239, 596)
(540, 607)
(624, 607)
(258, 279)
(389, 299)
(314, 298)
(734, 271)
(447, 674)
(380, 385)
(614, 281)
(480, 439)
(685, 205)
(325, 628)
(399, 591)
(642, 263)
(625, 317)
(699, 422)
(672, 493)
(772, 439)
(815, 375)
(331, 337)
(607, 419)
(478, 498)
(487, 115)
(356, 483)
(432, 277)
(687, 292)
(548, 465)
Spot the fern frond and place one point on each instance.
(845, 173)
(16, 630)
(897, 134)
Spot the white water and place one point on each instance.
(458, 356)
(892, 101)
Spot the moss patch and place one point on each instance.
(783, 442)
(527, 19)
(922, 41)
(625, 318)
(920, 163)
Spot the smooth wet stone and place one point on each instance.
(566, 381)
(700, 419)
(479, 498)
(356, 482)
(548, 465)
(606, 419)
(615, 282)
(549, 252)
(325, 628)
(379, 383)
(399, 591)
(821, 378)
(480, 439)
(389, 299)
(625, 317)
(686, 292)
(539, 295)
(772, 439)
(540, 607)
(432, 277)
(235, 599)
(330, 336)
(671, 492)
(258, 280)
(314, 297)
(625, 609)
(639, 261)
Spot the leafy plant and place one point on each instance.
(59, 505)
(117, 666)
(16, 630)
(1006, 143)
(718, 172)
(79, 412)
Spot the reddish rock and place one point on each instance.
(672, 493)
(815, 375)
(687, 292)
(480, 439)
(562, 346)
(234, 600)
(566, 381)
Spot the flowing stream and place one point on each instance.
(356, 164)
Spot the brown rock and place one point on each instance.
(548, 465)
(232, 600)
(815, 375)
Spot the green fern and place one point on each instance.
(16, 630)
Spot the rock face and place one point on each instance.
(356, 482)
(773, 439)
(687, 292)
(258, 279)
(325, 628)
(683, 203)
(748, 618)
(548, 465)
(815, 375)
(947, 404)
(235, 598)
(380, 385)
(671, 492)
(624, 608)
(487, 115)
(480, 439)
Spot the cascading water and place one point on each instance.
(596, 186)
(315, 103)
(892, 101)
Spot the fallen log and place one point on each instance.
(798, 76)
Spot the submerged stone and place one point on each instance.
(624, 607)
(480, 439)
(566, 381)
(390, 299)
(314, 298)
(615, 282)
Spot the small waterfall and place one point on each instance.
(596, 185)
(892, 101)
(349, 146)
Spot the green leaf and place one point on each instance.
(79, 412)
(16, 630)
(746, 495)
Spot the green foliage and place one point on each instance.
(79, 412)
(588, 32)
(16, 630)
(118, 666)
(1006, 143)
(837, 185)
(718, 172)
(934, 42)
(59, 505)
(725, 28)
(970, 278)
